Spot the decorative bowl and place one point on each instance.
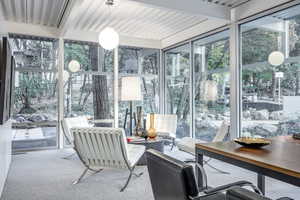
(252, 142)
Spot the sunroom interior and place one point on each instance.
(197, 65)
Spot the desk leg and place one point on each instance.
(199, 160)
(261, 183)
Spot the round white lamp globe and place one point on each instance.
(74, 66)
(276, 58)
(109, 38)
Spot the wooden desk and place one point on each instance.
(279, 160)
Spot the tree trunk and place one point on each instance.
(100, 89)
(274, 86)
(297, 93)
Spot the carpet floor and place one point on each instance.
(44, 175)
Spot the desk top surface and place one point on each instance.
(282, 155)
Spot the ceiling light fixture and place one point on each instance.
(276, 58)
(108, 37)
(74, 66)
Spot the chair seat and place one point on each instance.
(135, 152)
(187, 144)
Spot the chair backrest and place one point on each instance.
(171, 179)
(101, 147)
(163, 123)
(69, 123)
(222, 132)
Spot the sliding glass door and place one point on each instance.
(177, 90)
(271, 74)
(35, 101)
(143, 64)
(89, 89)
(211, 85)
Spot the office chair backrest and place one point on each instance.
(171, 179)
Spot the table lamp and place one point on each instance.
(130, 91)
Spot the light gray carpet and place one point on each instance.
(44, 175)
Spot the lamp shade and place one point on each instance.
(66, 75)
(131, 89)
(276, 58)
(109, 38)
(210, 90)
(74, 66)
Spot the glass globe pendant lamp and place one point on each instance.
(108, 37)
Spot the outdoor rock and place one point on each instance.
(261, 115)
(276, 115)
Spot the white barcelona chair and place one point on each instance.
(72, 122)
(165, 126)
(100, 148)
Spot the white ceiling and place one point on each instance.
(152, 20)
(42, 12)
(127, 17)
(132, 19)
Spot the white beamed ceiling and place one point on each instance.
(41, 12)
(131, 18)
(135, 20)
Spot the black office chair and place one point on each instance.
(238, 193)
(172, 179)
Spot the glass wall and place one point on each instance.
(177, 90)
(144, 64)
(271, 93)
(211, 85)
(89, 90)
(35, 99)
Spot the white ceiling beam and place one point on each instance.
(194, 7)
(90, 36)
(30, 29)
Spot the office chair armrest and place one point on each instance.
(241, 193)
(227, 186)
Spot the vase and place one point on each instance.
(151, 131)
(139, 129)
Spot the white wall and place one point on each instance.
(5, 152)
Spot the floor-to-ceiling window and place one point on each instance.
(143, 64)
(177, 90)
(35, 102)
(211, 85)
(88, 90)
(271, 86)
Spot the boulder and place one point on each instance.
(37, 118)
(264, 130)
(20, 119)
(247, 114)
(276, 115)
(206, 129)
(261, 115)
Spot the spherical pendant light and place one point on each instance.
(109, 38)
(74, 66)
(276, 58)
